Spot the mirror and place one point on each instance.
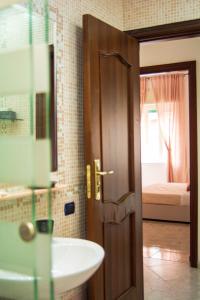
(40, 113)
(21, 115)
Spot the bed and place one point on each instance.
(167, 202)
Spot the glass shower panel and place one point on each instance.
(24, 73)
(6, 3)
(25, 252)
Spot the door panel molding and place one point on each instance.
(117, 212)
(131, 294)
(118, 55)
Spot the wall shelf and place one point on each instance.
(9, 115)
(3, 119)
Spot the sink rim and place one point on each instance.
(76, 241)
(21, 277)
(63, 281)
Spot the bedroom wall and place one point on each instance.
(153, 173)
(164, 52)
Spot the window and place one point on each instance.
(153, 147)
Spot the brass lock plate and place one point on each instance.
(97, 168)
(88, 178)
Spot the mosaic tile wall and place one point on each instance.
(66, 17)
(146, 13)
(11, 40)
(19, 105)
(67, 38)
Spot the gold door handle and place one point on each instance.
(104, 173)
(98, 174)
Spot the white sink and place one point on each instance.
(74, 261)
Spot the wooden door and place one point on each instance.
(112, 144)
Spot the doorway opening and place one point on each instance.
(166, 122)
(185, 33)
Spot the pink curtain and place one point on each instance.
(170, 96)
(143, 91)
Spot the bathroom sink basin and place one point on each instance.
(74, 261)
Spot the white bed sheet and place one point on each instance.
(166, 194)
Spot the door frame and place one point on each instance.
(177, 30)
(181, 30)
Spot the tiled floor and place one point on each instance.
(167, 274)
(167, 241)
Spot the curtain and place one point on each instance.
(143, 91)
(170, 95)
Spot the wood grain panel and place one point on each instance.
(114, 126)
(112, 134)
(118, 261)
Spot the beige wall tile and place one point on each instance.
(67, 17)
(146, 13)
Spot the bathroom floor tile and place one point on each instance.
(158, 295)
(167, 274)
(150, 251)
(171, 256)
(151, 261)
(170, 272)
(166, 235)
